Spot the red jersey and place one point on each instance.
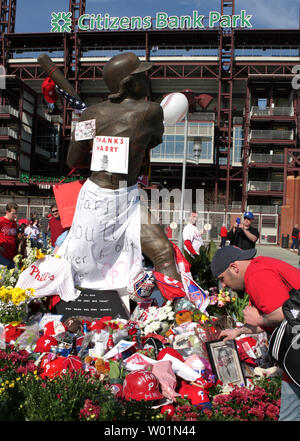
(264, 285)
(55, 228)
(8, 237)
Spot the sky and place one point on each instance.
(35, 15)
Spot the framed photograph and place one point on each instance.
(225, 362)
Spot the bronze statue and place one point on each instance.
(126, 113)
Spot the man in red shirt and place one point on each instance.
(8, 235)
(55, 226)
(261, 279)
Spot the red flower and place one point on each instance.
(132, 331)
(3, 355)
(208, 413)
(90, 410)
(258, 412)
(272, 411)
(21, 370)
(30, 366)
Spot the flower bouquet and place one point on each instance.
(9, 277)
(156, 319)
(223, 302)
(14, 304)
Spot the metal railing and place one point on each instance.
(267, 158)
(209, 224)
(8, 154)
(271, 111)
(202, 116)
(264, 186)
(8, 110)
(272, 134)
(7, 131)
(6, 177)
(42, 152)
(264, 209)
(43, 113)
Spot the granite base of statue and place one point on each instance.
(95, 304)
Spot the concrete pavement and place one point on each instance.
(277, 252)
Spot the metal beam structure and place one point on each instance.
(225, 87)
(7, 16)
(77, 8)
(7, 24)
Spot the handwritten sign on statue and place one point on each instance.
(110, 153)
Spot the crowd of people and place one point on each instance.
(41, 231)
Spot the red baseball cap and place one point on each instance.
(45, 343)
(54, 327)
(197, 395)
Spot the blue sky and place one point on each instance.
(35, 15)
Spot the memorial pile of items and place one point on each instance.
(164, 362)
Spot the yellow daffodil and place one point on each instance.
(39, 254)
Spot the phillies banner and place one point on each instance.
(170, 288)
(195, 294)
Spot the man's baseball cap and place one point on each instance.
(228, 254)
(248, 215)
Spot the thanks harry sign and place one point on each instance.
(110, 153)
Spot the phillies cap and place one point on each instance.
(248, 215)
(45, 343)
(198, 396)
(228, 254)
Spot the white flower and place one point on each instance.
(171, 316)
(162, 316)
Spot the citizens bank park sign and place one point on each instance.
(62, 21)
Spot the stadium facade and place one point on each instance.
(244, 108)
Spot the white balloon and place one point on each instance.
(175, 107)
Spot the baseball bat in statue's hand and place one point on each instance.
(53, 71)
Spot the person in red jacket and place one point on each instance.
(264, 280)
(55, 226)
(223, 234)
(8, 235)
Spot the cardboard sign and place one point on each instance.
(93, 303)
(110, 153)
(66, 196)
